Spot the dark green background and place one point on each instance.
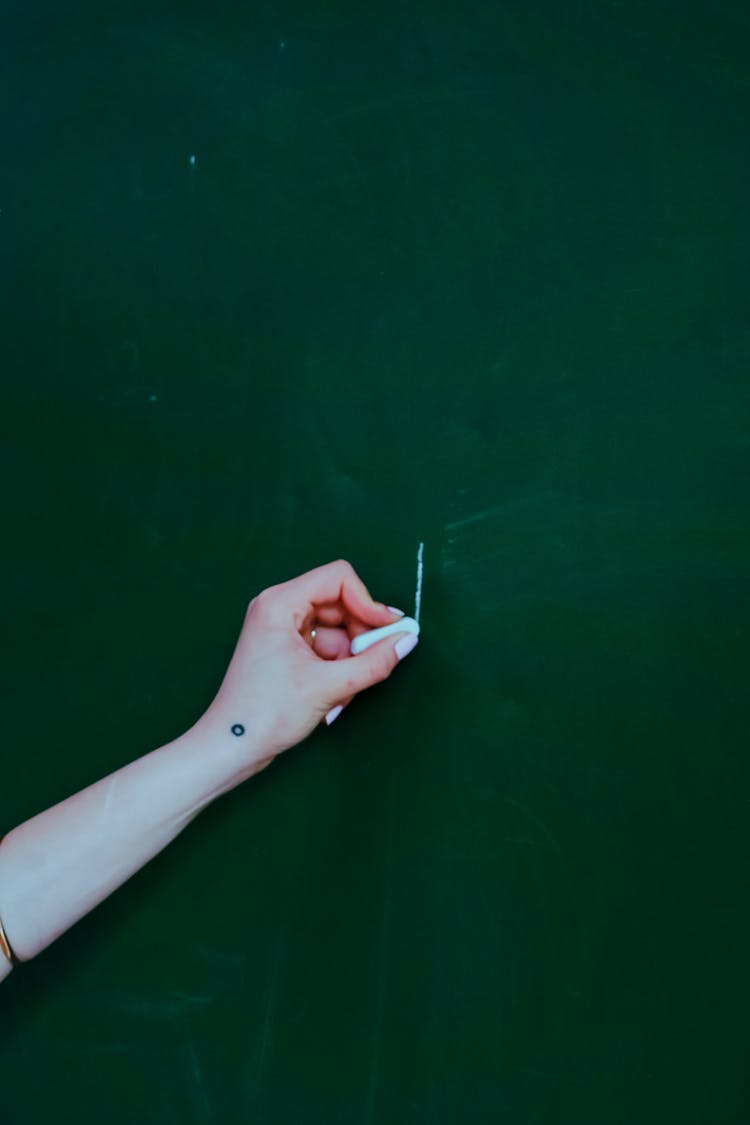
(471, 275)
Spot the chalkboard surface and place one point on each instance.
(288, 283)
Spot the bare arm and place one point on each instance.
(290, 668)
(60, 864)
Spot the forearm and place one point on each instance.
(57, 866)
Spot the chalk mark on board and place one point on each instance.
(539, 823)
(565, 873)
(499, 509)
(420, 571)
(198, 1082)
(268, 1016)
(171, 1007)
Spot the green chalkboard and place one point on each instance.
(281, 284)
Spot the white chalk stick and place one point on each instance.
(364, 640)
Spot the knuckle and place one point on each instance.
(261, 601)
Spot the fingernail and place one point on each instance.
(406, 645)
(333, 714)
(393, 609)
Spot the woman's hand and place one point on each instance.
(292, 667)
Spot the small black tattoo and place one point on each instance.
(238, 729)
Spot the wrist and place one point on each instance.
(233, 748)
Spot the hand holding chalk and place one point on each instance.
(405, 625)
(409, 626)
(406, 629)
(364, 640)
(293, 665)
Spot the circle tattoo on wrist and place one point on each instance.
(238, 729)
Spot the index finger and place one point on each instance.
(334, 582)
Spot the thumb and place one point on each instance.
(352, 674)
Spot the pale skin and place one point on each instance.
(282, 681)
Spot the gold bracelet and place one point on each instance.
(5, 947)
